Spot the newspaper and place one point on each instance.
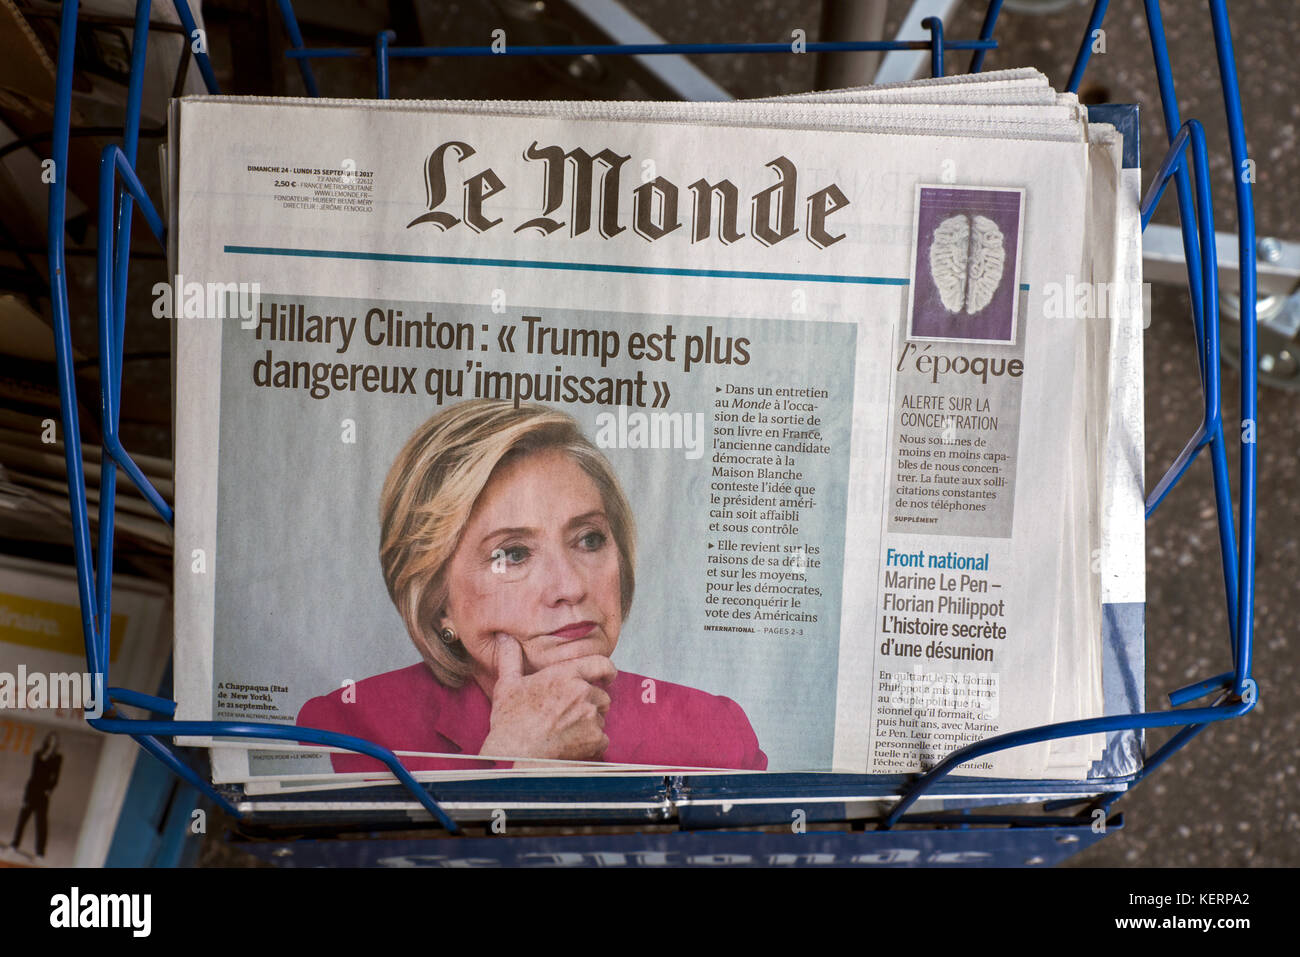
(837, 467)
(62, 784)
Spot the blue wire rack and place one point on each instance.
(120, 192)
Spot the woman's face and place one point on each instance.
(537, 561)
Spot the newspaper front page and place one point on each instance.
(544, 440)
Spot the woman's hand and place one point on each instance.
(557, 712)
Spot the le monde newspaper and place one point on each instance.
(555, 438)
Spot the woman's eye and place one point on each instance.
(509, 555)
(593, 541)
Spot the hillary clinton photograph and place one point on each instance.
(509, 551)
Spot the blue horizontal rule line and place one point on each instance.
(545, 264)
(583, 267)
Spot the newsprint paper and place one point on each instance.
(606, 438)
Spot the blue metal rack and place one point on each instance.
(120, 191)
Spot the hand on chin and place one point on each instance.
(544, 651)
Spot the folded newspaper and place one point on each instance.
(799, 435)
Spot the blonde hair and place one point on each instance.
(431, 490)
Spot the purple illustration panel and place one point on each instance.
(966, 264)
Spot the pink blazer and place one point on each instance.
(409, 710)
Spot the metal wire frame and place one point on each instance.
(1237, 689)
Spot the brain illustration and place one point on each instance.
(967, 256)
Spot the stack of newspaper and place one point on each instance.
(556, 438)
